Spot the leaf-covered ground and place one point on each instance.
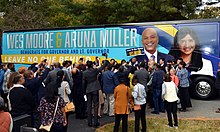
(160, 125)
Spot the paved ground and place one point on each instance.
(200, 109)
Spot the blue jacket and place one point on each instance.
(157, 80)
(183, 77)
(109, 82)
(2, 72)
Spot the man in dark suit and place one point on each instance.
(157, 89)
(150, 41)
(52, 76)
(91, 86)
(142, 75)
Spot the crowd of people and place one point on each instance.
(96, 88)
(153, 79)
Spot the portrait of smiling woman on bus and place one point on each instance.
(186, 46)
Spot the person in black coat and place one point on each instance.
(34, 84)
(78, 92)
(20, 99)
(92, 87)
(122, 73)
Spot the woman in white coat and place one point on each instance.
(169, 94)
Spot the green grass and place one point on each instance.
(159, 125)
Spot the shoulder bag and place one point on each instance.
(48, 127)
(69, 106)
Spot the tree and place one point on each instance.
(209, 12)
(25, 14)
(28, 14)
(114, 11)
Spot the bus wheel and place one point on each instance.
(204, 88)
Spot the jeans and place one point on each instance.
(158, 100)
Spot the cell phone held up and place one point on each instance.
(105, 54)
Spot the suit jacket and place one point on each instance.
(52, 76)
(157, 80)
(142, 75)
(90, 79)
(167, 57)
(109, 81)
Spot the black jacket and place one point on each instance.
(21, 101)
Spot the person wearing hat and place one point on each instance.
(6, 122)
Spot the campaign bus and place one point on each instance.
(124, 41)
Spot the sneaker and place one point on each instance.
(175, 127)
(169, 126)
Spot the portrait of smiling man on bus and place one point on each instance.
(150, 42)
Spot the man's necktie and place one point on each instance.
(153, 57)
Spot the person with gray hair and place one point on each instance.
(6, 123)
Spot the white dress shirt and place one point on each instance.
(149, 55)
(139, 94)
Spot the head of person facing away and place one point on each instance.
(167, 78)
(11, 66)
(134, 81)
(21, 70)
(89, 64)
(60, 77)
(15, 78)
(29, 74)
(51, 91)
(56, 65)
